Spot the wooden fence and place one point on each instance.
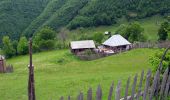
(156, 87)
(163, 44)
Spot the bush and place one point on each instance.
(22, 47)
(98, 37)
(132, 32)
(8, 49)
(163, 31)
(156, 58)
(45, 39)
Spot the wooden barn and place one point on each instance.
(117, 43)
(80, 46)
(2, 64)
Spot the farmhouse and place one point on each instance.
(117, 43)
(79, 46)
(2, 64)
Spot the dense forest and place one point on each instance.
(25, 17)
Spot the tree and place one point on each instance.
(7, 47)
(45, 39)
(98, 37)
(15, 44)
(163, 31)
(132, 32)
(22, 47)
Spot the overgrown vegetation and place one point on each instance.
(156, 58)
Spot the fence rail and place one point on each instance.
(157, 89)
(163, 44)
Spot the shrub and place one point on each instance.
(8, 49)
(22, 47)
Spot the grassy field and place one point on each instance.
(150, 25)
(59, 73)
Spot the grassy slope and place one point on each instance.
(71, 76)
(150, 25)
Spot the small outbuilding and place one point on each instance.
(80, 46)
(117, 43)
(2, 64)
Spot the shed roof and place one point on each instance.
(2, 57)
(86, 44)
(116, 40)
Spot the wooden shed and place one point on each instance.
(2, 64)
(79, 46)
(117, 43)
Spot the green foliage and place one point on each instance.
(16, 15)
(22, 47)
(163, 31)
(45, 39)
(8, 49)
(15, 44)
(132, 32)
(85, 37)
(156, 58)
(29, 16)
(98, 37)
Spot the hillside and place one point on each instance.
(27, 16)
(59, 73)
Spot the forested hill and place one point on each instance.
(28, 16)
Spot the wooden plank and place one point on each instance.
(111, 91)
(147, 85)
(167, 89)
(165, 76)
(69, 98)
(62, 98)
(134, 87)
(118, 89)
(89, 94)
(127, 89)
(99, 93)
(80, 96)
(140, 86)
(154, 85)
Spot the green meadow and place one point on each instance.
(59, 73)
(150, 25)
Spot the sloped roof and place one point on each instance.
(82, 44)
(116, 40)
(2, 57)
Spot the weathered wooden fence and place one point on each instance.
(163, 44)
(156, 87)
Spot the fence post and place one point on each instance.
(80, 96)
(111, 91)
(165, 76)
(62, 98)
(31, 86)
(99, 93)
(69, 98)
(155, 84)
(167, 89)
(134, 87)
(89, 94)
(147, 84)
(140, 86)
(118, 89)
(127, 89)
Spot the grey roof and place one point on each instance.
(2, 57)
(86, 44)
(116, 40)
